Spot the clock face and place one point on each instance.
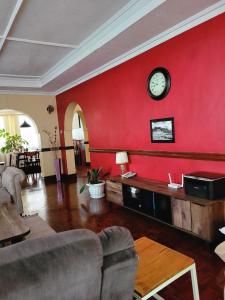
(158, 83)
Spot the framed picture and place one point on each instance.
(162, 130)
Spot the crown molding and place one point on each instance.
(32, 93)
(128, 15)
(18, 76)
(179, 28)
(24, 82)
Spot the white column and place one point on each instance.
(71, 168)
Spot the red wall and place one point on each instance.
(118, 108)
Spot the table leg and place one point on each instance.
(158, 297)
(194, 283)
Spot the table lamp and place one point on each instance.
(122, 159)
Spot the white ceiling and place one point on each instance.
(48, 46)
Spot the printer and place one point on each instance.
(205, 185)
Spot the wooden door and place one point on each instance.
(181, 212)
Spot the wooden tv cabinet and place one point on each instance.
(197, 216)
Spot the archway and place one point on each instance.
(75, 123)
(11, 121)
(80, 138)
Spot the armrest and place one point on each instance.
(119, 263)
(115, 239)
(220, 251)
(11, 181)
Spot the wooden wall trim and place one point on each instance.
(184, 155)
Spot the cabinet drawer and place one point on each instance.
(113, 186)
(114, 197)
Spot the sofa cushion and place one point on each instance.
(62, 266)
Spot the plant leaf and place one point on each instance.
(82, 188)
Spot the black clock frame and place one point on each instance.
(167, 87)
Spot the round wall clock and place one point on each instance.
(158, 83)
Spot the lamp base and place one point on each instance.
(123, 169)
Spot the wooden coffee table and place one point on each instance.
(158, 267)
(12, 226)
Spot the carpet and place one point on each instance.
(38, 227)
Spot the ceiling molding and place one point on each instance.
(17, 82)
(11, 21)
(32, 93)
(128, 15)
(181, 27)
(18, 76)
(41, 43)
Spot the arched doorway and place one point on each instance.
(80, 138)
(76, 134)
(12, 121)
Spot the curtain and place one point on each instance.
(12, 124)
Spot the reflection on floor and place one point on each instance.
(61, 205)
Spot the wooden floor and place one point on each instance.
(64, 208)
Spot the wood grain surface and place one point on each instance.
(157, 264)
(184, 155)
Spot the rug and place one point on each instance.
(38, 227)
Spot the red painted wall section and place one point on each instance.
(118, 108)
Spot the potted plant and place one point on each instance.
(13, 142)
(95, 184)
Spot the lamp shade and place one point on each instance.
(24, 124)
(121, 158)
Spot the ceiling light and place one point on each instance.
(24, 125)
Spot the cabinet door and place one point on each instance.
(114, 192)
(147, 205)
(201, 221)
(181, 212)
(163, 208)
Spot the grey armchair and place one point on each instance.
(73, 265)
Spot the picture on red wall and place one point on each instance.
(162, 130)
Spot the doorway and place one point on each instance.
(75, 125)
(80, 141)
(18, 123)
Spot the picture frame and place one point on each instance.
(162, 130)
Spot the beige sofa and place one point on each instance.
(10, 187)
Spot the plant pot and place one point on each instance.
(96, 190)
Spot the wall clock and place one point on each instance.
(158, 84)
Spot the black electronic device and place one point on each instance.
(205, 185)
